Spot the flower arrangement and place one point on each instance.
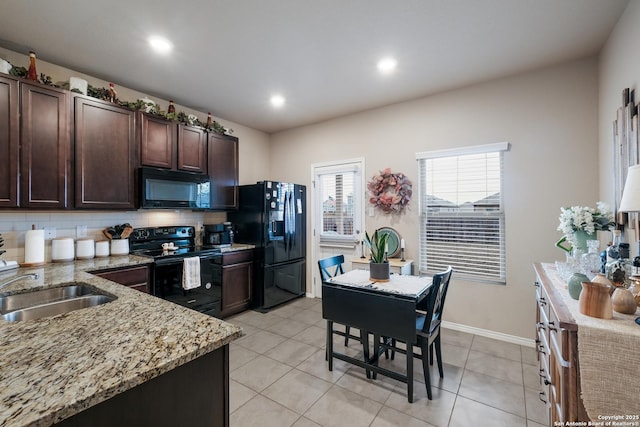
(589, 220)
(389, 191)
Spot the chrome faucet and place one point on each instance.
(15, 279)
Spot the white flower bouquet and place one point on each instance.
(583, 218)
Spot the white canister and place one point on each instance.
(119, 246)
(62, 249)
(102, 248)
(85, 249)
(5, 66)
(78, 84)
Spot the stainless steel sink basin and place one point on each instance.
(50, 302)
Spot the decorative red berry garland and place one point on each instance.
(389, 191)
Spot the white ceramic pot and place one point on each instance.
(85, 249)
(102, 248)
(62, 249)
(119, 246)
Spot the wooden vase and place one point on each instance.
(623, 302)
(595, 300)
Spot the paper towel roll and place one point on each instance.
(62, 249)
(34, 247)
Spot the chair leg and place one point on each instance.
(425, 367)
(393, 352)
(431, 355)
(439, 355)
(347, 331)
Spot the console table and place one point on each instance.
(588, 365)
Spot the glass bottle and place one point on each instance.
(32, 74)
(612, 251)
(590, 262)
(172, 108)
(619, 270)
(209, 121)
(113, 95)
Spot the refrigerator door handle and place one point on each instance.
(285, 215)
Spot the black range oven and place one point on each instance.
(179, 243)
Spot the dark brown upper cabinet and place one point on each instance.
(9, 141)
(105, 155)
(171, 145)
(45, 157)
(192, 149)
(35, 145)
(158, 146)
(223, 171)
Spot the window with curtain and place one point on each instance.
(461, 212)
(339, 193)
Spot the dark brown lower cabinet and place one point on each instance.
(234, 275)
(194, 394)
(134, 277)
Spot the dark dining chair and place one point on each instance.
(331, 267)
(428, 321)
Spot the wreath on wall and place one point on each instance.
(389, 191)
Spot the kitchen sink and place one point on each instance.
(50, 302)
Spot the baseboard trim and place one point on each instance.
(489, 334)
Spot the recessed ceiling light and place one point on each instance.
(277, 101)
(160, 44)
(387, 65)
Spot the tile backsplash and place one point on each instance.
(14, 224)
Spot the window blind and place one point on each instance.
(462, 215)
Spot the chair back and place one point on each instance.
(331, 267)
(435, 300)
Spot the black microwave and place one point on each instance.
(166, 189)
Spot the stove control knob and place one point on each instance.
(208, 285)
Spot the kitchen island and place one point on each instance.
(130, 360)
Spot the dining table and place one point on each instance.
(382, 309)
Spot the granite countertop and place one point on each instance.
(55, 367)
(237, 247)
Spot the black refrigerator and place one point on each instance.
(272, 216)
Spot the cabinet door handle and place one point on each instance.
(540, 396)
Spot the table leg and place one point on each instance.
(410, 372)
(364, 337)
(329, 345)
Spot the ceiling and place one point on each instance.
(231, 56)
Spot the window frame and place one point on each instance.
(422, 158)
(355, 166)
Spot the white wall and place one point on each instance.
(619, 68)
(550, 118)
(254, 165)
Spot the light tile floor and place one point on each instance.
(279, 377)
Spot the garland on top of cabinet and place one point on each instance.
(151, 108)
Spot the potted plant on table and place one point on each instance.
(379, 264)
